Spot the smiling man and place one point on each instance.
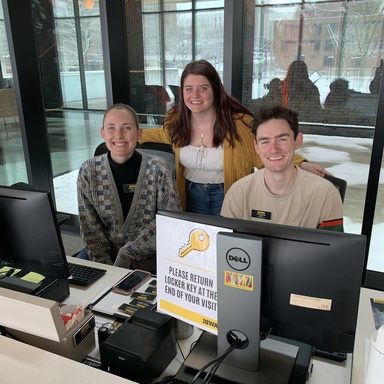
(282, 193)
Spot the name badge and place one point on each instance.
(129, 188)
(258, 214)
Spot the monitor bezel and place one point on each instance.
(33, 222)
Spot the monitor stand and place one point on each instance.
(281, 361)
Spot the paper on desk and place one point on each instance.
(377, 306)
(6, 269)
(33, 277)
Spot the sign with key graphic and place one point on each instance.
(198, 241)
(186, 271)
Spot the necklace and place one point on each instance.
(202, 151)
(202, 136)
(202, 133)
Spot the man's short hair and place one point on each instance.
(277, 112)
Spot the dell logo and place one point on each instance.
(238, 259)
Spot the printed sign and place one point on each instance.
(186, 271)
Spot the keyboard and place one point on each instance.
(84, 274)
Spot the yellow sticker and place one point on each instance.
(33, 277)
(238, 280)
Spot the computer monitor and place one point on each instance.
(30, 241)
(302, 268)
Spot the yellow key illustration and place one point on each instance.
(198, 241)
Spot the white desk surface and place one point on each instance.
(22, 363)
(85, 295)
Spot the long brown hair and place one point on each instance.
(228, 109)
(295, 82)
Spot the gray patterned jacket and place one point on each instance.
(108, 238)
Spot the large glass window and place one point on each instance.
(74, 88)
(319, 58)
(12, 161)
(80, 54)
(174, 34)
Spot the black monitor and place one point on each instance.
(304, 262)
(30, 240)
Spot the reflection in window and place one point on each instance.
(12, 161)
(342, 61)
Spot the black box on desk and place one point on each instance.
(141, 348)
(51, 289)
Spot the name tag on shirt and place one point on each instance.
(129, 188)
(259, 214)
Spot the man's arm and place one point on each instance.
(312, 167)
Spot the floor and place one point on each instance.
(71, 240)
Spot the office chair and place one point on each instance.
(156, 99)
(160, 149)
(340, 184)
(175, 90)
(101, 149)
(151, 148)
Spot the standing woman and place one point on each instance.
(211, 135)
(300, 94)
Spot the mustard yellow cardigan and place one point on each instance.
(239, 160)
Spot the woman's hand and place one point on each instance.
(314, 168)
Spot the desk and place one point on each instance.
(22, 363)
(85, 295)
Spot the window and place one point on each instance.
(12, 161)
(180, 32)
(329, 45)
(342, 52)
(329, 61)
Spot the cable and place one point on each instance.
(212, 372)
(166, 380)
(182, 354)
(216, 362)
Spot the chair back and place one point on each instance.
(158, 149)
(340, 184)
